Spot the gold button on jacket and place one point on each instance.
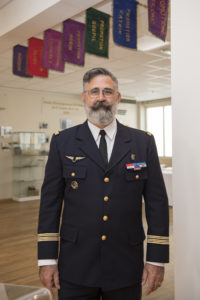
(106, 179)
(104, 237)
(105, 218)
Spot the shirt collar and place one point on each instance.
(110, 130)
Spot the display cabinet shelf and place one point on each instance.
(29, 159)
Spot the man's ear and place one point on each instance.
(83, 97)
(119, 97)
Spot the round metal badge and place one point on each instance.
(74, 185)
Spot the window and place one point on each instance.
(159, 122)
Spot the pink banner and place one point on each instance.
(52, 51)
(73, 42)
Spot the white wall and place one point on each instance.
(24, 110)
(130, 118)
(186, 146)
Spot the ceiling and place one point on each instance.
(4, 3)
(143, 75)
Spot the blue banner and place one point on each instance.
(125, 23)
(20, 61)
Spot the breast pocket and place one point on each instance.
(74, 176)
(74, 172)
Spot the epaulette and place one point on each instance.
(149, 133)
(57, 133)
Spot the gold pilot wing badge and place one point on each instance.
(75, 158)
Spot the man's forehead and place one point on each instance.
(101, 79)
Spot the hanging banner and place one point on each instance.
(97, 32)
(73, 42)
(20, 61)
(52, 50)
(35, 58)
(158, 15)
(125, 23)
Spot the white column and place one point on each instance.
(185, 23)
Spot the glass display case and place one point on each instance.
(29, 159)
(20, 292)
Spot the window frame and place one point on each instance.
(157, 103)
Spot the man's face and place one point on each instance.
(100, 99)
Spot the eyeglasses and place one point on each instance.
(95, 93)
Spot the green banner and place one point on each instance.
(97, 32)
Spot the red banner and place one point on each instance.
(35, 58)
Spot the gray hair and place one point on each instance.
(98, 71)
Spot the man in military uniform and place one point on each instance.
(100, 170)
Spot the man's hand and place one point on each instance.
(49, 277)
(154, 275)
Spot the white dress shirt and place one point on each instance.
(111, 131)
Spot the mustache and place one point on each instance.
(101, 104)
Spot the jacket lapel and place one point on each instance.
(121, 146)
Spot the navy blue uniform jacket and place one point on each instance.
(101, 201)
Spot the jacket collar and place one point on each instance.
(88, 145)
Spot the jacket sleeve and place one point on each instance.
(156, 207)
(51, 205)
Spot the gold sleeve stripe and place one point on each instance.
(48, 237)
(161, 242)
(49, 234)
(156, 239)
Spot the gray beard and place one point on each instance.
(101, 112)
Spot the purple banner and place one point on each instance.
(74, 42)
(158, 15)
(20, 61)
(52, 50)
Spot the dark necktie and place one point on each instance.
(103, 146)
